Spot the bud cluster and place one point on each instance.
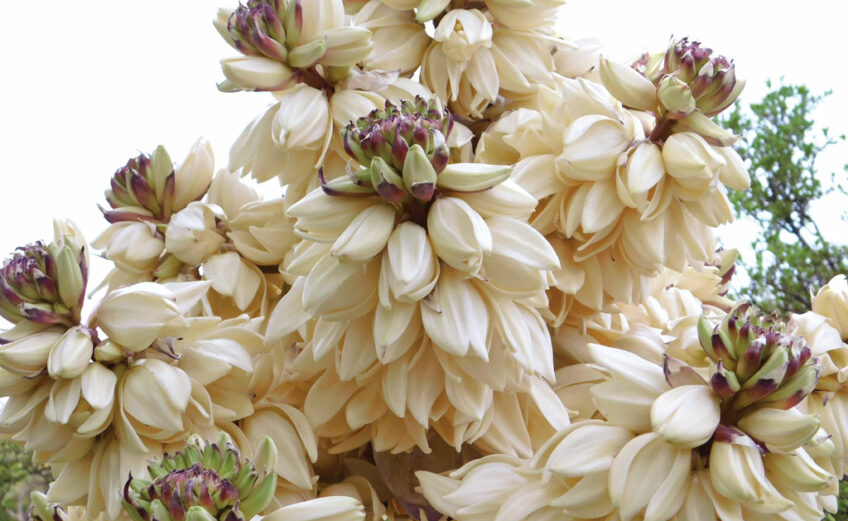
(282, 38)
(405, 156)
(689, 76)
(257, 28)
(205, 482)
(143, 190)
(44, 284)
(757, 361)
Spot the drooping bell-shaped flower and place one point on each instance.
(207, 481)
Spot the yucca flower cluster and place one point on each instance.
(491, 290)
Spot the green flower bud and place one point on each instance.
(204, 482)
(419, 176)
(676, 96)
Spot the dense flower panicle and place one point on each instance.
(649, 204)
(409, 267)
(491, 290)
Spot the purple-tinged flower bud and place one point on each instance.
(711, 79)
(257, 29)
(758, 360)
(45, 284)
(391, 131)
(206, 481)
(143, 189)
(724, 382)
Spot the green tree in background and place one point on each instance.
(780, 145)
(19, 475)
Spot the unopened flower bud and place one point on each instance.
(780, 430)
(472, 177)
(391, 132)
(308, 54)
(419, 176)
(797, 471)
(627, 85)
(674, 94)
(346, 46)
(387, 181)
(194, 174)
(757, 360)
(255, 73)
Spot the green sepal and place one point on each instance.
(260, 497)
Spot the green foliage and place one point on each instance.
(842, 514)
(780, 146)
(19, 475)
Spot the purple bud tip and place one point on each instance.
(761, 389)
(420, 136)
(229, 492)
(423, 191)
(127, 489)
(726, 434)
(176, 508)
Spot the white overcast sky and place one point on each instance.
(85, 86)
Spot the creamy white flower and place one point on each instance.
(649, 476)
(460, 237)
(71, 354)
(832, 302)
(136, 315)
(193, 234)
(193, 175)
(399, 41)
(133, 246)
(628, 86)
(737, 472)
